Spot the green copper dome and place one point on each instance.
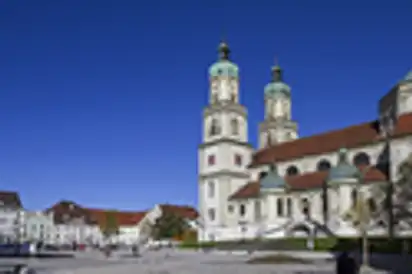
(343, 170)
(408, 76)
(272, 180)
(277, 87)
(224, 67)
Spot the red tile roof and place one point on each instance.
(93, 215)
(123, 218)
(66, 211)
(350, 137)
(305, 181)
(182, 211)
(10, 199)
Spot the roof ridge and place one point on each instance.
(353, 136)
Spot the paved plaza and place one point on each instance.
(164, 262)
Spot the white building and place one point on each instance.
(291, 184)
(83, 225)
(39, 227)
(12, 217)
(74, 224)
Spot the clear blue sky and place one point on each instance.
(101, 101)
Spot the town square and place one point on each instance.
(201, 138)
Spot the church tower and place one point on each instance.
(278, 126)
(224, 153)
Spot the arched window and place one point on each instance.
(361, 159)
(211, 189)
(258, 211)
(289, 207)
(280, 206)
(292, 170)
(242, 210)
(372, 205)
(323, 165)
(234, 124)
(305, 207)
(262, 174)
(214, 127)
(354, 198)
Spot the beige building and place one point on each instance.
(292, 185)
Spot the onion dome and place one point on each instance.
(343, 170)
(272, 180)
(277, 87)
(224, 67)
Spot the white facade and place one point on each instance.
(224, 153)
(276, 213)
(80, 233)
(11, 224)
(39, 227)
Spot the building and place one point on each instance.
(291, 185)
(39, 227)
(75, 223)
(127, 223)
(12, 217)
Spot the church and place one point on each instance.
(293, 186)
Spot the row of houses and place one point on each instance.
(68, 222)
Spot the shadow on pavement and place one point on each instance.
(40, 256)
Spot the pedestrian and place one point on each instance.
(342, 263)
(135, 251)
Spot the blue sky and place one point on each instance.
(101, 101)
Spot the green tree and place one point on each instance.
(110, 226)
(168, 225)
(395, 209)
(402, 198)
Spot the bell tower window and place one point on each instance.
(268, 139)
(234, 124)
(215, 98)
(214, 128)
(211, 160)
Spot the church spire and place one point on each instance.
(224, 50)
(277, 72)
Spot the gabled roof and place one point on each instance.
(65, 211)
(186, 212)
(10, 199)
(123, 218)
(305, 181)
(350, 137)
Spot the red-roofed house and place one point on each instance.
(84, 225)
(239, 197)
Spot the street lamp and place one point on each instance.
(363, 210)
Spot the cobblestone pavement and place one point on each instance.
(169, 262)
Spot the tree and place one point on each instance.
(110, 226)
(168, 225)
(402, 199)
(395, 209)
